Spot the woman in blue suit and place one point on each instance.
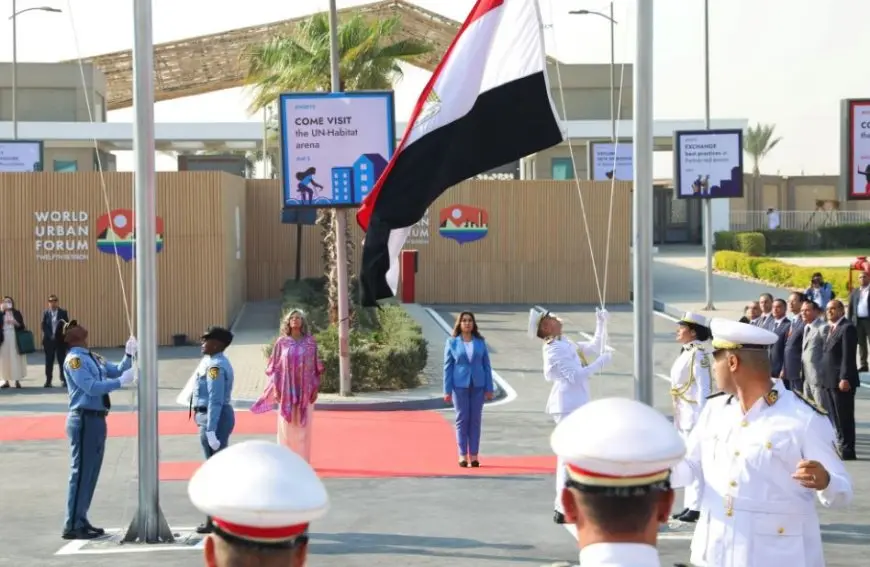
(467, 383)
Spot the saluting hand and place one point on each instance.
(811, 474)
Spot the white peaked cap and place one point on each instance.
(733, 335)
(535, 317)
(694, 319)
(618, 443)
(258, 491)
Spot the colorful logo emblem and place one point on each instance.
(463, 223)
(116, 234)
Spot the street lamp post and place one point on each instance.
(15, 14)
(613, 23)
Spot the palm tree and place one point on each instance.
(369, 56)
(758, 142)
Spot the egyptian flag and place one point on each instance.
(487, 104)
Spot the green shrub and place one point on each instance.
(750, 243)
(785, 240)
(724, 240)
(387, 348)
(845, 236)
(781, 274)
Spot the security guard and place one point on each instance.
(565, 365)
(763, 453)
(691, 383)
(211, 402)
(261, 497)
(617, 490)
(90, 379)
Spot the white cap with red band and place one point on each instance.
(259, 491)
(617, 443)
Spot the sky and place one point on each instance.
(785, 62)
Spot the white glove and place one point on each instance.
(132, 346)
(602, 315)
(212, 439)
(126, 377)
(605, 358)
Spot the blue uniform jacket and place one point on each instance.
(459, 372)
(89, 377)
(214, 388)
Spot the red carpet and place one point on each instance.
(347, 444)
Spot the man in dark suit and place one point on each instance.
(839, 378)
(859, 315)
(53, 319)
(791, 374)
(780, 325)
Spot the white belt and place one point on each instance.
(737, 504)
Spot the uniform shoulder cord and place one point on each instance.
(680, 392)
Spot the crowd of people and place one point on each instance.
(16, 342)
(821, 347)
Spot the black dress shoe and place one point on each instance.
(47, 384)
(862, 369)
(463, 463)
(205, 528)
(678, 514)
(849, 457)
(475, 464)
(691, 516)
(81, 533)
(558, 517)
(94, 529)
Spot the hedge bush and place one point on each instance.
(845, 236)
(387, 348)
(750, 243)
(781, 240)
(779, 273)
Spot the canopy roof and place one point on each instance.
(214, 62)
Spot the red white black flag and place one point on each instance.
(488, 103)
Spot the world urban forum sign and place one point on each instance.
(334, 146)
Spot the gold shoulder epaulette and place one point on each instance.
(818, 409)
(716, 395)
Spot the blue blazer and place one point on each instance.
(459, 372)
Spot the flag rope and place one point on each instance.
(128, 302)
(600, 283)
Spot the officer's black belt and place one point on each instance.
(200, 409)
(92, 412)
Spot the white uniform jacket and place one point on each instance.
(691, 383)
(753, 514)
(619, 555)
(566, 366)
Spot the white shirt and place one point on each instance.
(469, 349)
(619, 555)
(773, 220)
(753, 514)
(691, 383)
(565, 366)
(862, 310)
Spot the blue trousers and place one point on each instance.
(87, 438)
(468, 403)
(225, 426)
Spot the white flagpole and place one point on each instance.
(643, 203)
(148, 525)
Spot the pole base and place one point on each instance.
(709, 307)
(139, 533)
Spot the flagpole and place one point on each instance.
(340, 229)
(149, 524)
(642, 200)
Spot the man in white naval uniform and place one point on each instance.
(566, 366)
(691, 383)
(616, 491)
(763, 455)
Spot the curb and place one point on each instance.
(668, 310)
(430, 403)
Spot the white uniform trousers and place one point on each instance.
(561, 472)
(692, 492)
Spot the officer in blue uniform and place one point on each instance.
(212, 394)
(90, 379)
